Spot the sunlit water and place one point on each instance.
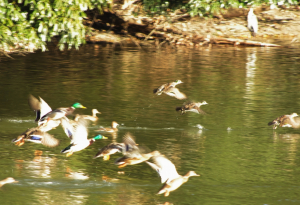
(245, 89)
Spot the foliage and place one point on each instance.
(210, 7)
(29, 24)
(160, 7)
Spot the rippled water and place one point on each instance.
(245, 89)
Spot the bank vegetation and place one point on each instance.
(29, 25)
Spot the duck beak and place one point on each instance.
(83, 107)
(103, 137)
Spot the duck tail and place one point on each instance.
(155, 90)
(272, 123)
(67, 149)
(178, 109)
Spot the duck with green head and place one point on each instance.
(78, 136)
(59, 113)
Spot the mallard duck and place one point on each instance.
(58, 113)
(36, 135)
(286, 121)
(169, 89)
(78, 136)
(7, 181)
(93, 117)
(168, 174)
(192, 107)
(132, 153)
(252, 22)
(113, 128)
(44, 113)
(110, 149)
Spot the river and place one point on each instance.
(240, 158)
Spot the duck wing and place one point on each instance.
(43, 137)
(67, 127)
(111, 148)
(174, 92)
(39, 106)
(164, 167)
(130, 146)
(196, 109)
(80, 132)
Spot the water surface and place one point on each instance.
(245, 89)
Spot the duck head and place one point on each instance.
(78, 105)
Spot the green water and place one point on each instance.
(245, 89)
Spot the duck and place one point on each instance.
(45, 115)
(7, 181)
(168, 174)
(92, 117)
(113, 128)
(132, 153)
(59, 113)
(171, 90)
(252, 22)
(286, 121)
(110, 149)
(192, 107)
(36, 135)
(78, 136)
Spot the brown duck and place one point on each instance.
(286, 121)
(169, 89)
(192, 107)
(169, 176)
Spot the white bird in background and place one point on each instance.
(252, 22)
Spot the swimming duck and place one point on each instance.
(78, 136)
(36, 135)
(169, 89)
(93, 117)
(252, 22)
(132, 153)
(113, 128)
(7, 181)
(192, 107)
(286, 121)
(110, 149)
(169, 176)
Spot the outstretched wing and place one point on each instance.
(40, 107)
(67, 127)
(165, 168)
(174, 92)
(81, 132)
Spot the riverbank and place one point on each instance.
(277, 27)
(181, 29)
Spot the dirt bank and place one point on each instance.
(181, 29)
